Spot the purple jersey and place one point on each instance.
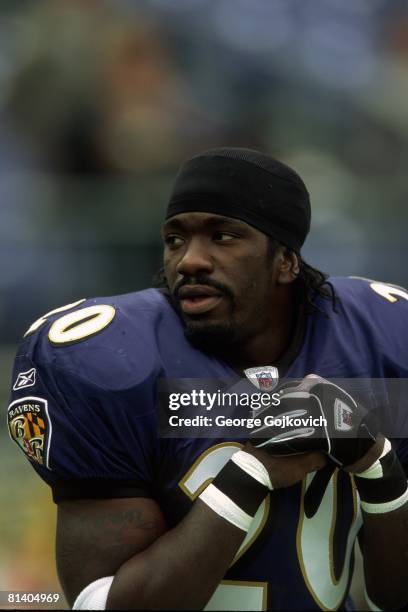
(83, 410)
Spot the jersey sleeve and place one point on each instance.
(86, 440)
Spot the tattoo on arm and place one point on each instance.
(94, 538)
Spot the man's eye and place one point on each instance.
(224, 236)
(173, 240)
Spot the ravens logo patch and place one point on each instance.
(30, 427)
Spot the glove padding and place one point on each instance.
(341, 427)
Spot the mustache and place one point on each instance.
(203, 280)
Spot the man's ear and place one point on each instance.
(288, 267)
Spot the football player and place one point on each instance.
(263, 522)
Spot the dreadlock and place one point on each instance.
(311, 282)
(315, 283)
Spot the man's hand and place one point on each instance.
(326, 418)
(287, 471)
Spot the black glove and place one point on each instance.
(341, 427)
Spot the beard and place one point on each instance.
(207, 336)
(211, 337)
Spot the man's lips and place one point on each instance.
(199, 305)
(198, 299)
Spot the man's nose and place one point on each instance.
(196, 259)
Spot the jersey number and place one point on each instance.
(389, 292)
(314, 541)
(75, 326)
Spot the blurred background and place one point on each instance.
(100, 102)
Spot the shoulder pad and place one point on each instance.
(109, 342)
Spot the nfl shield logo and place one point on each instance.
(264, 378)
(343, 416)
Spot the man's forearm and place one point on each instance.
(382, 486)
(385, 548)
(182, 569)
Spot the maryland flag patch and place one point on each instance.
(30, 427)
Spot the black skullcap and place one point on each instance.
(247, 185)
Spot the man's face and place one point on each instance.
(221, 275)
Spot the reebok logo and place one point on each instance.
(25, 379)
